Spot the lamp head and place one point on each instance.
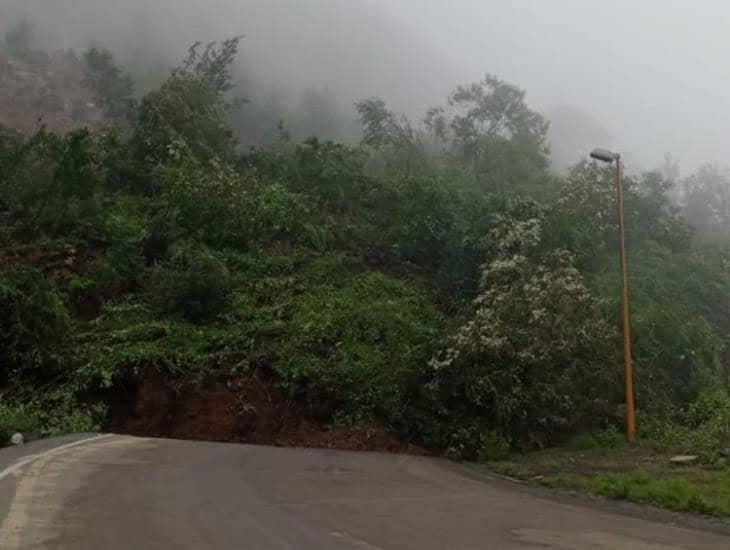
(604, 155)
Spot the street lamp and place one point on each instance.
(607, 156)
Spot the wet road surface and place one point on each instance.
(119, 492)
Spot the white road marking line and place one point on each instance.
(35, 490)
(28, 459)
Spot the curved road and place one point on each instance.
(118, 492)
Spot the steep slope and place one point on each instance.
(39, 89)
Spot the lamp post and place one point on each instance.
(604, 155)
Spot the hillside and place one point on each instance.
(40, 89)
(393, 295)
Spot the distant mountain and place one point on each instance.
(353, 48)
(40, 89)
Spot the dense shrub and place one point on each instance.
(364, 342)
(34, 325)
(332, 173)
(193, 284)
(676, 348)
(216, 205)
(55, 412)
(702, 427)
(51, 184)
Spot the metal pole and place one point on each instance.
(630, 412)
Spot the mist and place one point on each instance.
(372, 225)
(645, 79)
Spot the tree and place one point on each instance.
(532, 357)
(490, 128)
(113, 88)
(584, 217)
(707, 203)
(391, 135)
(188, 115)
(382, 128)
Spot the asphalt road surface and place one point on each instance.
(118, 492)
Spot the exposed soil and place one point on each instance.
(249, 409)
(61, 263)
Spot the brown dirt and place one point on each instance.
(61, 263)
(243, 410)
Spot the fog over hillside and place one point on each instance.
(647, 76)
(372, 225)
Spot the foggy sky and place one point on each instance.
(648, 76)
(654, 73)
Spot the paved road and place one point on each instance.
(118, 492)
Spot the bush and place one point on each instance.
(52, 184)
(193, 284)
(332, 174)
(702, 428)
(675, 346)
(216, 205)
(606, 439)
(475, 442)
(129, 339)
(34, 325)
(363, 342)
(609, 438)
(56, 412)
(17, 418)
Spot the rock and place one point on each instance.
(17, 439)
(684, 459)
(725, 453)
(452, 453)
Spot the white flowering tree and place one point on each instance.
(536, 350)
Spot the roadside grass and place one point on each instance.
(633, 473)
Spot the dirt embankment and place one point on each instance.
(248, 409)
(241, 408)
(62, 263)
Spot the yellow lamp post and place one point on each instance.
(607, 156)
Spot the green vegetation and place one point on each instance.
(436, 279)
(712, 496)
(613, 470)
(35, 326)
(114, 89)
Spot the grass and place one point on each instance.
(676, 493)
(637, 474)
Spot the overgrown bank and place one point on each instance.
(436, 282)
